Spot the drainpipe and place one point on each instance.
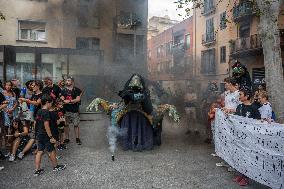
(194, 70)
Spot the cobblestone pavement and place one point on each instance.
(183, 161)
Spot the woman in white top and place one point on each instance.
(231, 96)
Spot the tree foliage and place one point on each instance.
(268, 12)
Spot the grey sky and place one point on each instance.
(164, 7)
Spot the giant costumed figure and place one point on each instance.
(241, 74)
(134, 120)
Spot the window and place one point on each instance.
(223, 20)
(162, 50)
(149, 54)
(88, 15)
(179, 39)
(209, 30)
(128, 20)
(158, 52)
(208, 5)
(208, 62)
(223, 54)
(31, 30)
(187, 41)
(244, 29)
(169, 48)
(88, 43)
(159, 67)
(94, 22)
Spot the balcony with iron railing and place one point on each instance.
(209, 39)
(242, 11)
(246, 46)
(127, 20)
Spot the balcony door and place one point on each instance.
(209, 29)
(208, 5)
(244, 29)
(208, 61)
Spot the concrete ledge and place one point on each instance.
(92, 116)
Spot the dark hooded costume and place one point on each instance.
(241, 74)
(138, 133)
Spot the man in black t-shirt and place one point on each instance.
(50, 88)
(71, 96)
(45, 140)
(246, 108)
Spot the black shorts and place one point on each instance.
(24, 141)
(44, 143)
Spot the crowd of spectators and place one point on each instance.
(36, 117)
(241, 101)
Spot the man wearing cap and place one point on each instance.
(51, 89)
(71, 96)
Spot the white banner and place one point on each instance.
(253, 148)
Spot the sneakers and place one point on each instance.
(244, 181)
(8, 155)
(12, 158)
(38, 172)
(21, 155)
(222, 164)
(214, 155)
(59, 168)
(61, 147)
(78, 141)
(66, 141)
(231, 169)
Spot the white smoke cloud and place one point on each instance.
(164, 7)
